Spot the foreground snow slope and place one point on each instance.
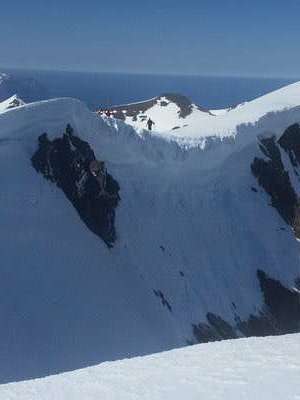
(245, 369)
(193, 227)
(199, 123)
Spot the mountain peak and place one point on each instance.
(175, 115)
(11, 102)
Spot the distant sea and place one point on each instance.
(106, 89)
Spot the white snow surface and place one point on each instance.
(220, 123)
(8, 103)
(185, 226)
(246, 369)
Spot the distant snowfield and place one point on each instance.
(219, 123)
(246, 369)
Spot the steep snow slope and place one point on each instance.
(198, 123)
(266, 368)
(192, 228)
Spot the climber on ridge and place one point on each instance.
(150, 123)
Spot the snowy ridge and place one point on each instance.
(246, 369)
(199, 123)
(54, 114)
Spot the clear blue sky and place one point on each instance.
(230, 37)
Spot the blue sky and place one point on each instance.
(243, 38)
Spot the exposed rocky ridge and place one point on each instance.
(273, 177)
(66, 161)
(290, 142)
(279, 315)
(133, 110)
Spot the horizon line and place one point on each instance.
(168, 74)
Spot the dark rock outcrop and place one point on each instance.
(279, 315)
(132, 110)
(290, 142)
(214, 329)
(139, 109)
(273, 177)
(183, 103)
(164, 301)
(66, 162)
(282, 304)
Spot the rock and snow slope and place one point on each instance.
(198, 254)
(12, 102)
(169, 111)
(177, 116)
(247, 369)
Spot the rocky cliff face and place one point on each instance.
(280, 313)
(67, 162)
(136, 110)
(272, 176)
(275, 179)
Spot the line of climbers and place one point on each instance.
(107, 113)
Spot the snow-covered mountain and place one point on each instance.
(169, 111)
(178, 117)
(256, 368)
(184, 244)
(12, 102)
